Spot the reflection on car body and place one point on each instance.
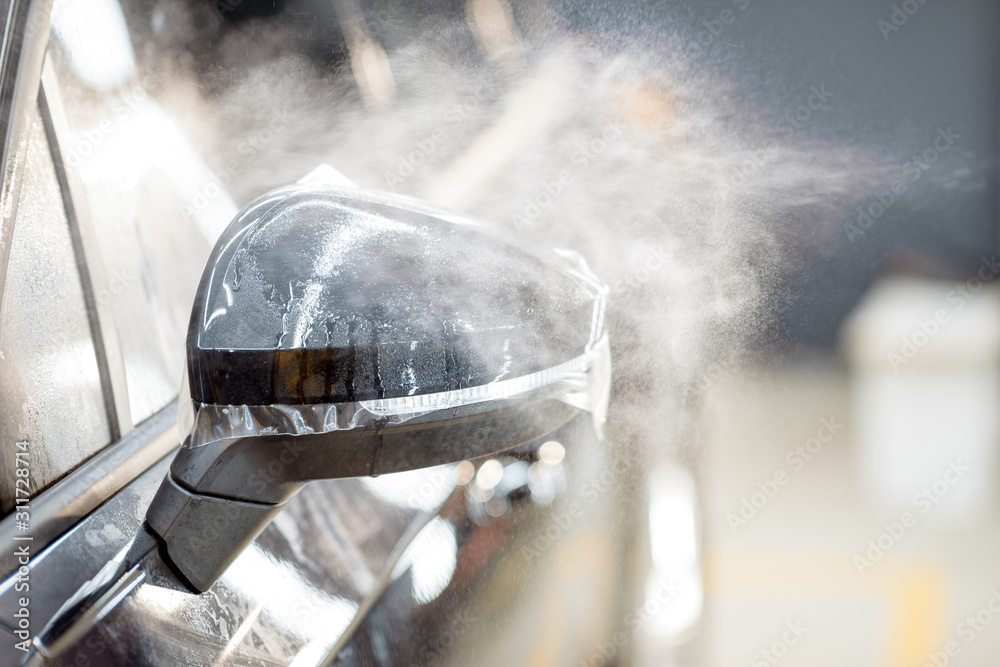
(420, 567)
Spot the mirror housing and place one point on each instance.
(340, 333)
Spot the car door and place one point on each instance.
(109, 214)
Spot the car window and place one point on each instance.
(143, 189)
(51, 406)
(149, 209)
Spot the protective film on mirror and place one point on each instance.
(326, 309)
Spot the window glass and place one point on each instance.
(51, 398)
(153, 203)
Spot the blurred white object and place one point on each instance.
(671, 608)
(94, 35)
(925, 389)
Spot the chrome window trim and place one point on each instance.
(82, 269)
(61, 506)
(22, 85)
(22, 58)
(26, 35)
(90, 265)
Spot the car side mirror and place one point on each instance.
(340, 333)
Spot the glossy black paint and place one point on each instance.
(315, 296)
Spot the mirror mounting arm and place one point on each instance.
(219, 496)
(203, 534)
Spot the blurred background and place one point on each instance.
(794, 204)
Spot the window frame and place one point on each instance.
(27, 79)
